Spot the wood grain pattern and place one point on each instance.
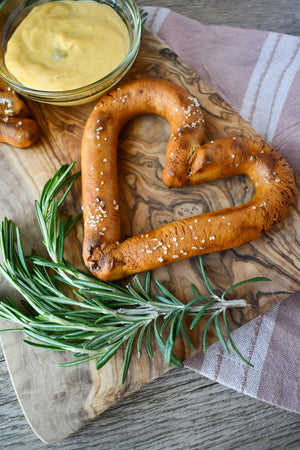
(81, 393)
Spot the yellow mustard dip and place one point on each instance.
(65, 45)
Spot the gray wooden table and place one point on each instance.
(181, 409)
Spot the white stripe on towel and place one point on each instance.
(269, 83)
(282, 92)
(158, 19)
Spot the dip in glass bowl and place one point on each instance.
(81, 48)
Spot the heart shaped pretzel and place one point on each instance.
(187, 162)
(17, 128)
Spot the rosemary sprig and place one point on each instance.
(70, 310)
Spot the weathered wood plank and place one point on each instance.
(179, 410)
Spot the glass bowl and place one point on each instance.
(12, 12)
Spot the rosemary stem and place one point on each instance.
(149, 313)
(221, 304)
(155, 311)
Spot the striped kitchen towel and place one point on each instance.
(258, 74)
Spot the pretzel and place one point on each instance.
(188, 162)
(17, 128)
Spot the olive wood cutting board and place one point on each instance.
(58, 401)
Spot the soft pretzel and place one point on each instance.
(187, 162)
(17, 128)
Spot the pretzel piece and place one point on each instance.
(187, 162)
(17, 128)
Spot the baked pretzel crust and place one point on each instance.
(17, 127)
(188, 162)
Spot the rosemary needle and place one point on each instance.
(98, 317)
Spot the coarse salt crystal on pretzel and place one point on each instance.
(188, 162)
